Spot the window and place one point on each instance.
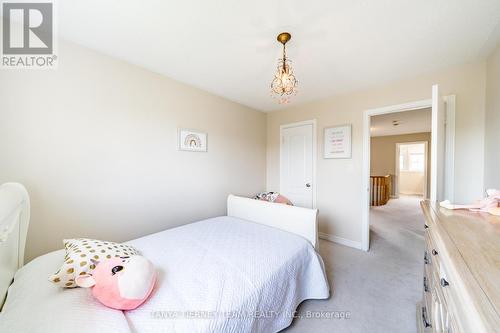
(412, 157)
(417, 162)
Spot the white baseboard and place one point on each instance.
(411, 194)
(340, 240)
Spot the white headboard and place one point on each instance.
(14, 221)
(298, 220)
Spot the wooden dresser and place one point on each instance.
(461, 272)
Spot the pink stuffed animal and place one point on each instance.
(121, 283)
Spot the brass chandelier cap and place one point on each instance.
(284, 37)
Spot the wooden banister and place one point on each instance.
(380, 190)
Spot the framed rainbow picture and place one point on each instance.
(191, 140)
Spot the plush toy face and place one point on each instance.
(121, 283)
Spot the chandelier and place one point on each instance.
(284, 84)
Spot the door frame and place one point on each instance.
(397, 171)
(449, 176)
(449, 158)
(416, 105)
(314, 152)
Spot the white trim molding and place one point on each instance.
(449, 165)
(340, 240)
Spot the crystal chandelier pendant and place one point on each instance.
(284, 84)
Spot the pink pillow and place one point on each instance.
(273, 197)
(121, 283)
(283, 200)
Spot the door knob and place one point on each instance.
(308, 185)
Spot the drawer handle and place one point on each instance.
(444, 283)
(424, 319)
(426, 288)
(434, 252)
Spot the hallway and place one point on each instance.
(380, 288)
(399, 222)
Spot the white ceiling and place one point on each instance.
(415, 121)
(228, 47)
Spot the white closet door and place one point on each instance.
(296, 167)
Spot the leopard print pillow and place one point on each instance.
(83, 254)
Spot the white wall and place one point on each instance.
(95, 143)
(492, 142)
(411, 182)
(339, 181)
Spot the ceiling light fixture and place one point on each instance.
(284, 84)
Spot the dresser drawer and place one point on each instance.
(431, 247)
(444, 303)
(459, 315)
(461, 275)
(432, 261)
(423, 322)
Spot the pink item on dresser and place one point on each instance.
(488, 204)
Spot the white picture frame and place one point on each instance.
(337, 141)
(192, 140)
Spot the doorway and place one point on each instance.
(411, 169)
(441, 147)
(298, 163)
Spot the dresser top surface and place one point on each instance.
(476, 236)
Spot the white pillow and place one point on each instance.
(83, 254)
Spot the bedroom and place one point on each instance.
(96, 140)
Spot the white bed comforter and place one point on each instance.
(217, 275)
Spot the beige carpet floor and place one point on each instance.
(379, 288)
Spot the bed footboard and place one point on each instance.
(298, 220)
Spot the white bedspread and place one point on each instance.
(217, 275)
(35, 305)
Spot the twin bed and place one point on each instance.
(244, 272)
